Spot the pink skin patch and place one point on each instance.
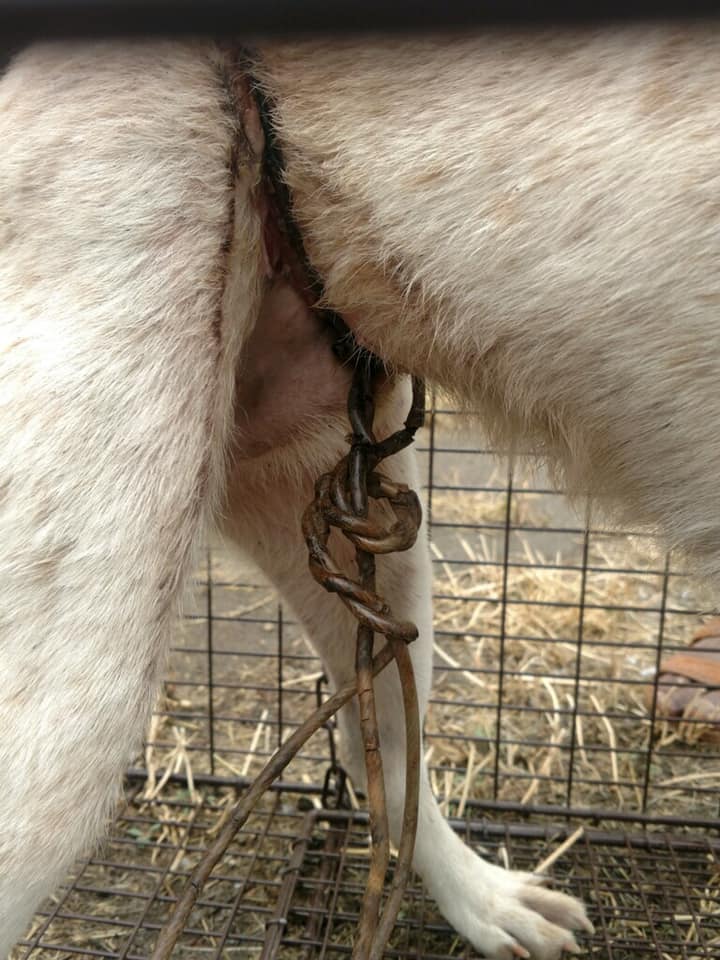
(288, 374)
(288, 377)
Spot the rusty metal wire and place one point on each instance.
(245, 805)
(342, 501)
(300, 876)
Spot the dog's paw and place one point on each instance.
(542, 922)
(510, 915)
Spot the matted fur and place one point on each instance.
(530, 221)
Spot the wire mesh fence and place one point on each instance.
(292, 883)
(549, 632)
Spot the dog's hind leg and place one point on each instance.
(116, 381)
(503, 914)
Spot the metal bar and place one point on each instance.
(280, 662)
(608, 813)
(25, 19)
(578, 669)
(534, 831)
(431, 487)
(210, 675)
(679, 874)
(503, 600)
(656, 688)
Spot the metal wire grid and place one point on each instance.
(292, 883)
(547, 637)
(640, 908)
(114, 903)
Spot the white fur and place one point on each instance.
(533, 222)
(530, 221)
(114, 398)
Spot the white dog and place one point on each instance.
(530, 221)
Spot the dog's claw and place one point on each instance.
(521, 952)
(529, 920)
(538, 879)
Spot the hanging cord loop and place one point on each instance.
(342, 500)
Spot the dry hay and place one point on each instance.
(543, 682)
(604, 748)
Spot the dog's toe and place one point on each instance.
(540, 919)
(556, 907)
(513, 916)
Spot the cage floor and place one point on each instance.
(649, 895)
(292, 882)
